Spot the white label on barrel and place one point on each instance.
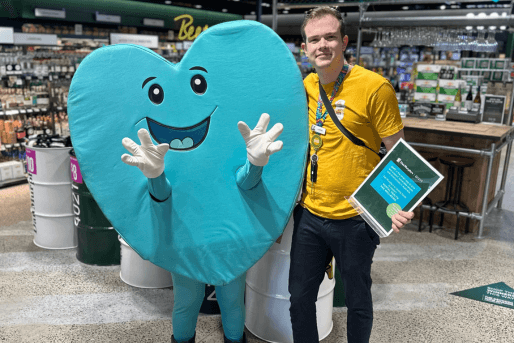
(76, 204)
(75, 170)
(32, 211)
(31, 161)
(212, 296)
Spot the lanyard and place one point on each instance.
(320, 117)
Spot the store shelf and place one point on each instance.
(11, 182)
(30, 110)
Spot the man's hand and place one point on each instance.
(400, 219)
(149, 158)
(259, 143)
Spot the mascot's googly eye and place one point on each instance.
(198, 84)
(156, 94)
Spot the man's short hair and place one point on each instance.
(321, 11)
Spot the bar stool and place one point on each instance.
(451, 202)
(429, 157)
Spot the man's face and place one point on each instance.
(324, 44)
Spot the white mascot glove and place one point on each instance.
(259, 143)
(149, 158)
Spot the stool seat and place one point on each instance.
(428, 156)
(451, 202)
(457, 161)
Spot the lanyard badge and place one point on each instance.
(318, 129)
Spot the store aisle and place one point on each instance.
(48, 296)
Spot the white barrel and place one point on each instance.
(267, 295)
(50, 191)
(141, 273)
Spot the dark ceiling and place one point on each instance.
(249, 7)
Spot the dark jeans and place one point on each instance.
(315, 240)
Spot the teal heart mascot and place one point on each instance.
(168, 154)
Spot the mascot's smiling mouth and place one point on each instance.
(180, 138)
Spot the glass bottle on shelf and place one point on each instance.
(469, 99)
(458, 99)
(477, 102)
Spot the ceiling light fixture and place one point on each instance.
(405, 8)
(503, 27)
(198, 6)
(224, 10)
(285, 11)
(167, 2)
(443, 7)
(469, 28)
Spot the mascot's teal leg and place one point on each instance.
(231, 300)
(188, 295)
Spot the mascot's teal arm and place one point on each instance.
(248, 176)
(160, 188)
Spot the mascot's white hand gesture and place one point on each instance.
(259, 143)
(148, 157)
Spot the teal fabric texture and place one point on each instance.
(209, 229)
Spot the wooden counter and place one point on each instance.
(462, 135)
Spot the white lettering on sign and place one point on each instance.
(41, 12)
(34, 39)
(151, 42)
(107, 18)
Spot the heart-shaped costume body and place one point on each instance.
(209, 229)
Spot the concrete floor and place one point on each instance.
(48, 296)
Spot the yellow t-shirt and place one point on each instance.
(370, 113)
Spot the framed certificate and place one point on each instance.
(400, 181)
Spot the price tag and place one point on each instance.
(59, 108)
(19, 82)
(36, 110)
(28, 77)
(31, 161)
(43, 109)
(68, 76)
(30, 110)
(23, 111)
(76, 176)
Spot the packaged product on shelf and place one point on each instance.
(450, 87)
(445, 98)
(5, 171)
(421, 109)
(486, 74)
(499, 63)
(467, 63)
(424, 97)
(421, 89)
(499, 75)
(437, 109)
(474, 80)
(428, 71)
(427, 83)
(482, 63)
(18, 170)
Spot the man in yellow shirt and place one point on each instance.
(325, 224)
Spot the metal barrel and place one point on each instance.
(98, 242)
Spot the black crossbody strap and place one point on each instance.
(340, 126)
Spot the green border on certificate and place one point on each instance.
(400, 181)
